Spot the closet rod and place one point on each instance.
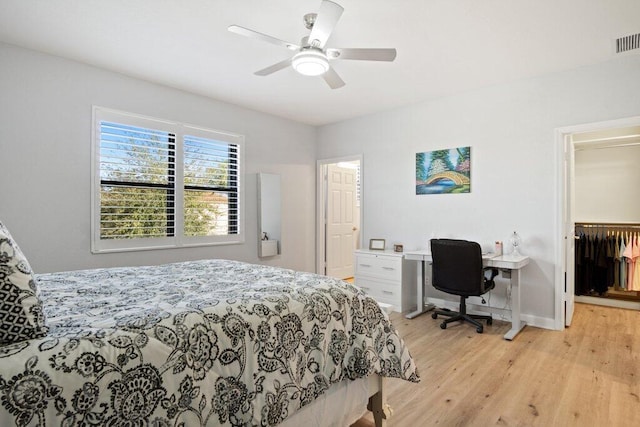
(607, 224)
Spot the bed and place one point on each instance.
(199, 343)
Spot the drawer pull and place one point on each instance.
(365, 265)
(388, 268)
(387, 292)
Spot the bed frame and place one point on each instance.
(377, 401)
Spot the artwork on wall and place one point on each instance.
(444, 171)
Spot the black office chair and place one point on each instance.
(458, 270)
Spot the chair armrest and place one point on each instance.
(494, 272)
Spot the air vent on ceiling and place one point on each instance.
(627, 43)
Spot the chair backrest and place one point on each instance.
(457, 267)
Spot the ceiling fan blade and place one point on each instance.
(325, 22)
(256, 35)
(363, 54)
(333, 79)
(273, 68)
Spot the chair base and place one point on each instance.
(462, 316)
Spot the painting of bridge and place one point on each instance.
(444, 171)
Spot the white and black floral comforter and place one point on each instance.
(211, 342)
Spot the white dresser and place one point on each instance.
(383, 275)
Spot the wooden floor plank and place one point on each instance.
(586, 375)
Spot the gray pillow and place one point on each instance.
(20, 306)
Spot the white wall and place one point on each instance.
(606, 183)
(45, 142)
(510, 128)
(45, 125)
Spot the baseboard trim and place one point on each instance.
(608, 302)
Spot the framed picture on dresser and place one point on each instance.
(376, 244)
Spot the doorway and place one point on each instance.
(568, 140)
(339, 215)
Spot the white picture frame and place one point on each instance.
(376, 244)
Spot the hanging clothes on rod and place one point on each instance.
(606, 256)
(631, 254)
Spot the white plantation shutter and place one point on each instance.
(163, 184)
(137, 182)
(211, 177)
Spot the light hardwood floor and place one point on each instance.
(586, 375)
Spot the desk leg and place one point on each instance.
(516, 323)
(421, 307)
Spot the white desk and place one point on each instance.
(504, 262)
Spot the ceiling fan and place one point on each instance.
(312, 57)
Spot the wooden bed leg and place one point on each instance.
(379, 407)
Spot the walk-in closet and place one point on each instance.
(607, 217)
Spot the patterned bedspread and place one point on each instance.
(211, 342)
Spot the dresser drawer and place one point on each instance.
(388, 292)
(380, 266)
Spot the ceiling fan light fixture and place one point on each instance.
(310, 63)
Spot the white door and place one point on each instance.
(341, 221)
(570, 230)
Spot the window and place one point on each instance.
(163, 184)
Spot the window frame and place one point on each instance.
(178, 240)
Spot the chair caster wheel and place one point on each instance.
(489, 321)
(443, 325)
(479, 330)
(434, 315)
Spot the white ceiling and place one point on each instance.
(444, 46)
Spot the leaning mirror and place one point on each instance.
(269, 214)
